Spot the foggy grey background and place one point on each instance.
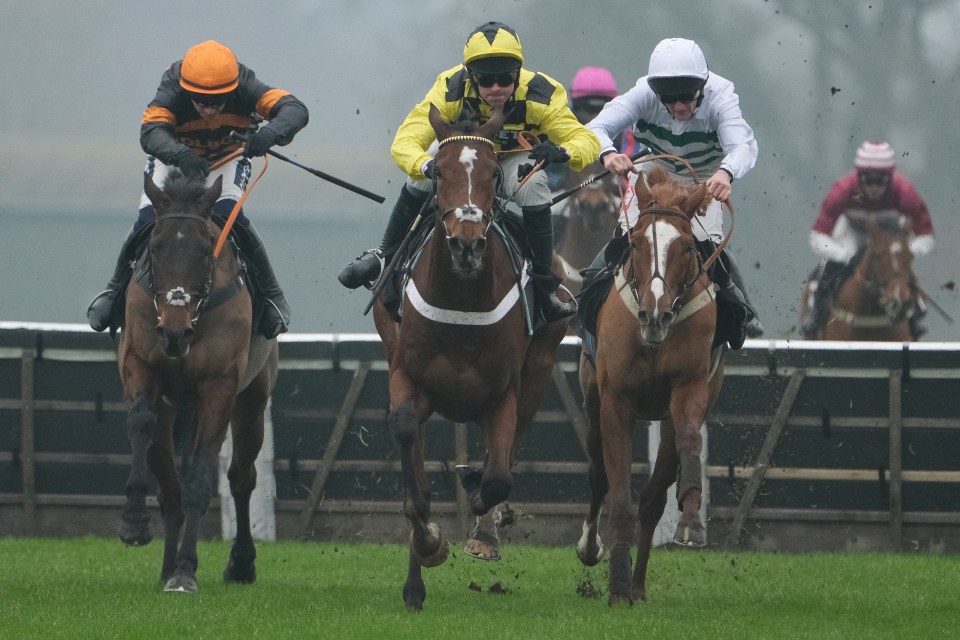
(815, 79)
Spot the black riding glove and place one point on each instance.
(259, 142)
(548, 153)
(192, 165)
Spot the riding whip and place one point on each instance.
(320, 174)
(603, 174)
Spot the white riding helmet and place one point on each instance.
(677, 66)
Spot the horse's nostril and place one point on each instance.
(666, 319)
(479, 246)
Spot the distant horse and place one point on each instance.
(654, 362)
(876, 302)
(589, 220)
(188, 346)
(462, 348)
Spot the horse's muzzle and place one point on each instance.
(175, 343)
(467, 256)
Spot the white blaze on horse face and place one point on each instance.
(666, 233)
(896, 249)
(469, 212)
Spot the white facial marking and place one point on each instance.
(180, 235)
(469, 212)
(666, 234)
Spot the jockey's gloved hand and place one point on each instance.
(429, 169)
(260, 142)
(549, 153)
(192, 165)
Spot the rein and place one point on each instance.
(225, 232)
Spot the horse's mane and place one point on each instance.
(183, 190)
(668, 192)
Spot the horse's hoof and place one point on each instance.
(135, 537)
(483, 546)
(181, 583)
(690, 536)
(616, 599)
(469, 477)
(589, 559)
(238, 573)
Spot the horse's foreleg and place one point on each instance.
(135, 529)
(687, 411)
(213, 415)
(616, 424)
(242, 474)
(653, 500)
(501, 432)
(162, 459)
(590, 548)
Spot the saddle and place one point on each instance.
(598, 279)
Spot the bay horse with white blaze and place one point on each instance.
(188, 345)
(653, 361)
(462, 348)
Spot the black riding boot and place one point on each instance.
(754, 328)
(831, 276)
(276, 312)
(733, 310)
(538, 227)
(103, 312)
(365, 268)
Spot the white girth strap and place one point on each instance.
(862, 322)
(468, 318)
(701, 300)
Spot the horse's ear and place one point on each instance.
(641, 190)
(211, 195)
(157, 196)
(695, 200)
(491, 127)
(441, 127)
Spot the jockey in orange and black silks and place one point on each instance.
(172, 124)
(201, 100)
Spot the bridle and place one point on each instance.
(178, 296)
(694, 271)
(488, 218)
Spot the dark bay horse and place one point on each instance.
(876, 302)
(462, 349)
(653, 362)
(188, 345)
(590, 218)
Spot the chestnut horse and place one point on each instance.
(462, 349)
(590, 215)
(188, 345)
(653, 362)
(876, 302)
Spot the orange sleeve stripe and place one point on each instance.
(269, 99)
(158, 114)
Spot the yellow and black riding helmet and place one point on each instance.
(492, 48)
(209, 68)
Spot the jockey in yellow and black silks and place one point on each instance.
(491, 76)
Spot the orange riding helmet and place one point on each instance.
(211, 68)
